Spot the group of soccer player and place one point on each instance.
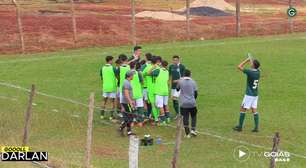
(139, 91)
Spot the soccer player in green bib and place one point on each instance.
(161, 92)
(156, 61)
(147, 83)
(136, 83)
(176, 71)
(123, 69)
(251, 96)
(109, 82)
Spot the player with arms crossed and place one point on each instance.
(251, 96)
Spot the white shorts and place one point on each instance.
(175, 93)
(161, 101)
(139, 102)
(249, 102)
(111, 95)
(145, 94)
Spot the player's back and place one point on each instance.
(253, 76)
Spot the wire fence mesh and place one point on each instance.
(59, 127)
(56, 127)
(47, 25)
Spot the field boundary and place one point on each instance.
(210, 43)
(201, 132)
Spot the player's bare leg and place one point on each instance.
(113, 109)
(118, 107)
(256, 119)
(175, 105)
(103, 107)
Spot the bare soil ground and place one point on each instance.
(108, 24)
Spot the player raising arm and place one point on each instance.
(251, 96)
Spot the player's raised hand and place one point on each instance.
(249, 55)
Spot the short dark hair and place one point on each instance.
(148, 56)
(164, 63)
(176, 56)
(109, 58)
(142, 62)
(158, 58)
(118, 61)
(256, 64)
(153, 59)
(122, 57)
(187, 73)
(137, 48)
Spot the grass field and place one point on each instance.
(59, 126)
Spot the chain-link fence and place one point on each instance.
(58, 24)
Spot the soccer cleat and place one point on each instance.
(187, 136)
(194, 133)
(168, 120)
(120, 131)
(255, 130)
(130, 133)
(120, 115)
(146, 120)
(163, 123)
(237, 128)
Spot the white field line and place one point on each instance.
(43, 94)
(203, 44)
(8, 98)
(242, 142)
(203, 133)
(41, 164)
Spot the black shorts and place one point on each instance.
(188, 110)
(128, 114)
